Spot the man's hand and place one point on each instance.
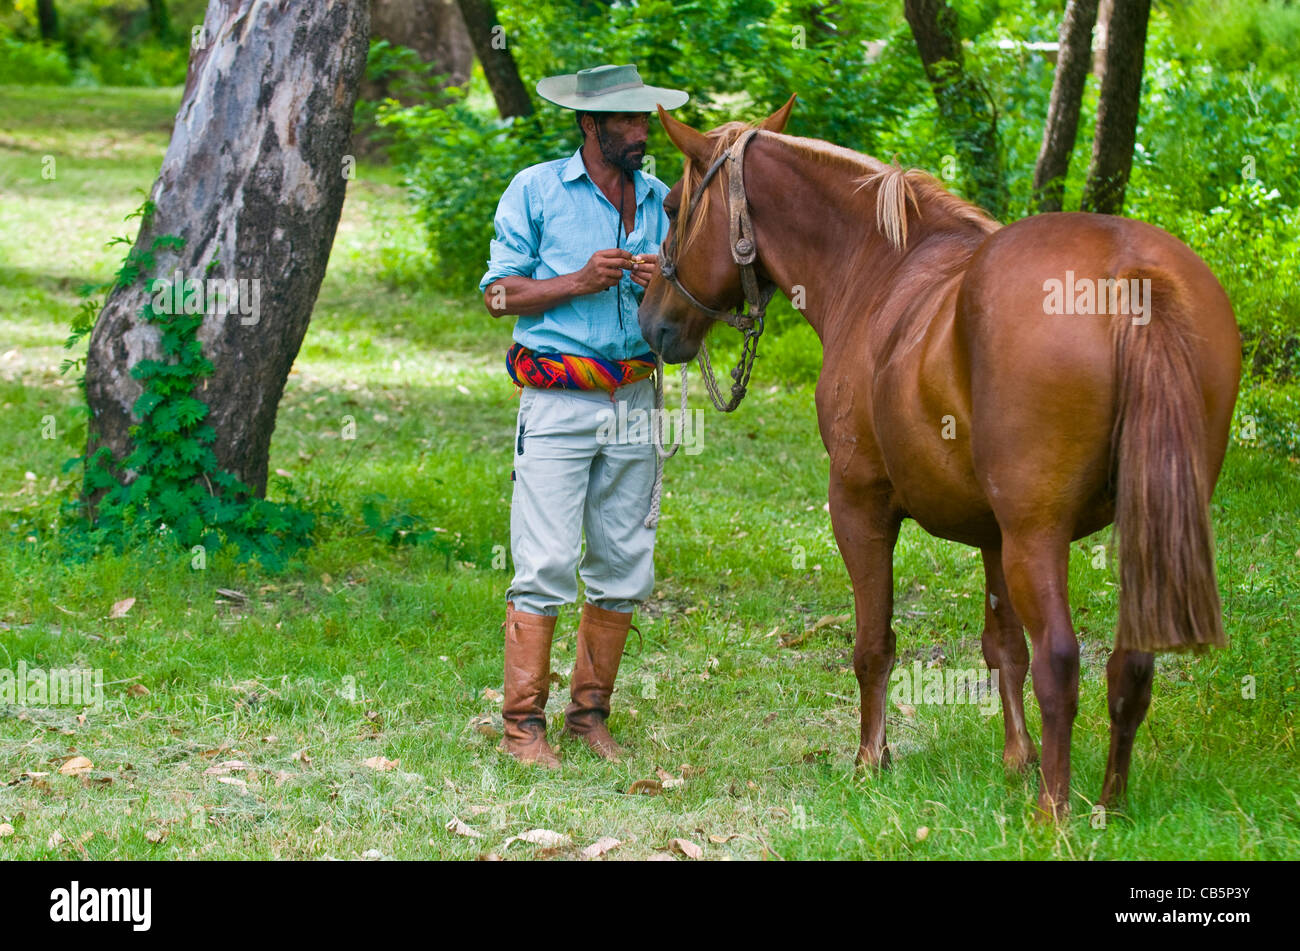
(644, 267)
(602, 271)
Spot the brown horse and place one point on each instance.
(1012, 388)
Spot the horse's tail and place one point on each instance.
(1168, 597)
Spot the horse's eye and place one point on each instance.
(671, 213)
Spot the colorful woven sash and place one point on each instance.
(564, 371)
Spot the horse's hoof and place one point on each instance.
(1017, 759)
(1049, 811)
(873, 761)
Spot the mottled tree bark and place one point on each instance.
(963, 106)
(253, 179)
(434, 29)
(1117, 109)
(493, 50)
(1073, 63)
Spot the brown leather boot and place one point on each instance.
(601, 636)
(528, 684)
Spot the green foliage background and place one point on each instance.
(1214, 163)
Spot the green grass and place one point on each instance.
(363, 650)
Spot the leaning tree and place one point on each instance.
(250, 192)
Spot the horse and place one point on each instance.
(1013, 388)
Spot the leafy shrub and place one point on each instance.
(33, 63)
(457, 163)
(1249, 241)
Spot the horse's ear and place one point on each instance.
(777, 120)
(691, 143)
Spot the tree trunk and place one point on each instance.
(963, 105)
(253, 180)
(498, 62)
(158, 18)
(48, 19)
(1072, 66)
(434, 29)
(1117, 109)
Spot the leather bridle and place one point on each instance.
(743, 251)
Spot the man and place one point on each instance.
(575, 246)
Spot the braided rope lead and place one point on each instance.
(657, 430)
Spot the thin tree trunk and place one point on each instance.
(1117, 109)
(159, 19)
(1073, 63)
(498, 62)
(434, 29)
(48, 19)
(963, 106)
(253, 180)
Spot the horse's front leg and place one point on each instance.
(866, 528)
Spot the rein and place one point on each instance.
(743, 251)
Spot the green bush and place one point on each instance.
(33, 63)
(457, 164)
(1249, 241)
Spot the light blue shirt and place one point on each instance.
(551, 219)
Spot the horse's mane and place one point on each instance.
(895, 186)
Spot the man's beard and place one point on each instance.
(628, 159)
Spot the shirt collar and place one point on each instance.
(576, 168)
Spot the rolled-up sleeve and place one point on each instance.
(514, 248)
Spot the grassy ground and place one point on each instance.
(238, 725)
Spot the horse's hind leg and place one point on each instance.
(1005, 651)
(866, 530)
(1036, 572)
(1128, 682)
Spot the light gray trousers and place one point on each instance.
(578, 472)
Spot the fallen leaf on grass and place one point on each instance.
(723, 839)
(380, 763)
(496, 696)
(598, 848)
(456, 827)
(137, 690)
(828, 620)
(906, 709)
(76, 766)
(6, 830)
(156, 835)
(922, 833)
(543, 837)
(120, 608)
(301, 757)
(233, 781)
(55, 840)
(645, 787)
(687, 848)
(484, 724)
(668, 780)
(232, 594)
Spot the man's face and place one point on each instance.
(622, 138)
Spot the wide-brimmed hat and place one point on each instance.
(608, 89)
